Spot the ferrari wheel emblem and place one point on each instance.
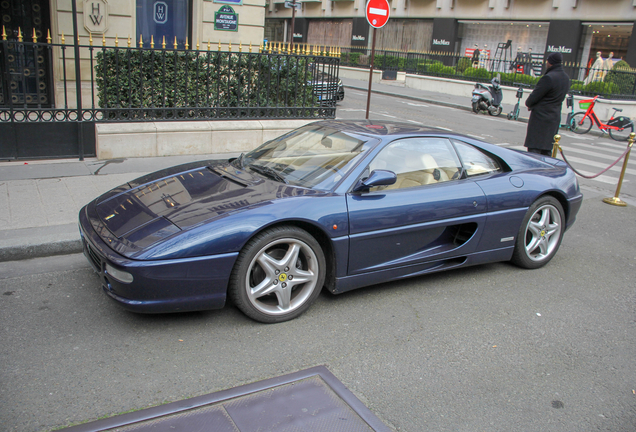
(282, 277)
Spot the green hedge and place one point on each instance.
(463, 64)
(440, 69)
(622, 76)
(353, 57)
(598, 87)
(511, 78)
(478, 73)
(158, 79)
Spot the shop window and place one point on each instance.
(169, 18)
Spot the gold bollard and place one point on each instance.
(615, 200)
(555, 147)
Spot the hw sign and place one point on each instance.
(96, 16)
(377, 13)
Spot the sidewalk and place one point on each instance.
(40, 200)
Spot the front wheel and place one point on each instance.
(622, 134)
(496, 111)
(580, 124)
(540, 234)
(278, 275)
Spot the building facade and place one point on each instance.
(577, 28)
(111, 22)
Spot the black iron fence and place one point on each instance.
(148, 83)
(616, 83)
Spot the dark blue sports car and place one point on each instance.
(339, 204)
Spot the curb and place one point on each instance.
(38, 242)
(24, 252)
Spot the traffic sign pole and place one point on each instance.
(377, 13)
(371, 72)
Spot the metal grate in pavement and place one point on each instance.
(313, 400)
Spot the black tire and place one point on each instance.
(289, 266)
(578, 125)
(476, 107)
(540, 234)
(496, 112)
(623, 134)
(509, 116)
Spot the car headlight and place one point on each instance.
(119, 275)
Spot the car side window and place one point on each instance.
(476, 162)
(417, 162)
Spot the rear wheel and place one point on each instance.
(579, 124)
(540, 233)
(496, 111)
(476, 107)
(278, 275)
(623, 134)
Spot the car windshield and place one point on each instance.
(313, 156)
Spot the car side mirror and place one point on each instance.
(376, 178)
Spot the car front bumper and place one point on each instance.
(160, 286)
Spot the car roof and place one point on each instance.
(380, 128)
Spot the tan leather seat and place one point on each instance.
(412, 169)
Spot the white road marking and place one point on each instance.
(601, 178)
(576, 136)
(416, 105)
(613, 154)
(601, 165)
(611, 144)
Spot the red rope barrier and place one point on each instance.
(596, 175)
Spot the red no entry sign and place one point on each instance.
(377, 12)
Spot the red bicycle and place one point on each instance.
(619, 128)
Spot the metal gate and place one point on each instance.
(30, 125)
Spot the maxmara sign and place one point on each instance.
(560, 49)
(440, 42)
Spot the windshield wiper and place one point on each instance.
(239, 162)
(267, 172)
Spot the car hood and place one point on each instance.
(158, 205)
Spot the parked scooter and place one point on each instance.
(514, 114)
(488, 98)
(569, 102)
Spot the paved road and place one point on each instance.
(489, 348)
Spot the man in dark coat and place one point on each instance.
(544, 104)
